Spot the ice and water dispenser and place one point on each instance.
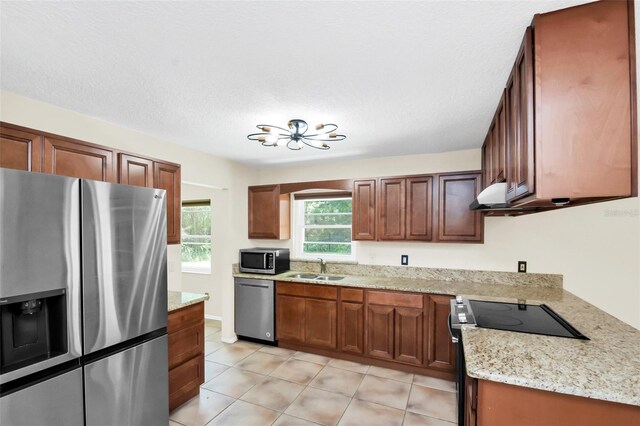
(34, 328)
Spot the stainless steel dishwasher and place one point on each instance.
(255, 309)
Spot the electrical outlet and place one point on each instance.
(522, 266)
(404, 259)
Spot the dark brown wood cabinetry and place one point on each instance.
(490, 403)
(441, 354)
(134, 170)
(571, 131)
(32, 150)
(391, 209)
(419, 208)
(456, 223)
(78, 159)
(167, 176)
(403, 330)
(20, 150)
(307, 314)
(185, 328)
(269, 213)
(363, 227)
(351, 321)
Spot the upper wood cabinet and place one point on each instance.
(456, 223)
(269, 213)
(167, 176)
(32, 150)
(570, 102)
(363, 225)
(405, 208)
(134, 170)
(20, 150)
(78, 159)
(391, 209)
(520, 140)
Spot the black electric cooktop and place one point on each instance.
(522, 318)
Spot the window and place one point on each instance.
(196, 236)
(323, 228)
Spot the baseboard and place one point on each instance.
(229, 339)
(213, 317)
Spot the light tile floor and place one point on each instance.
(248, 384)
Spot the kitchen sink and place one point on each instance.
(304, 276)
(316, 277)
(329, 277)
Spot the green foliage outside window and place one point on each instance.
(196, 233)
(327, 227)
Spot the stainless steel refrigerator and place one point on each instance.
(83, 295)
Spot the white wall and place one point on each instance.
(596, 247)
(196, 167)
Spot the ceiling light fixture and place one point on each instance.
(295, 136)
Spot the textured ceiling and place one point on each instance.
(397, 77)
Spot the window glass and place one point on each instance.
(196, 236)
(324, 228)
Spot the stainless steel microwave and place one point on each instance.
(270, 261)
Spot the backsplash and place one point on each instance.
(464, 275)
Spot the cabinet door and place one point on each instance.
(134, 170)
(264, 211)
(441, 352)
(520, 176)
(499, 149)
(409, 335)
(20, 150)
(290, 318)
(380, 331)
(419, 208)
(320, 323)
(486, 162)
(352, 327)
(364, 210)
(78, 159)
(391, 209)
(456, 223)
(167, 176)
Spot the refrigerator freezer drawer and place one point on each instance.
(129, 387)
(255, 308)
(56, 401)
(124, 259)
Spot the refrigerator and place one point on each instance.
(101, 249)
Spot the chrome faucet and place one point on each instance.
(323, 265)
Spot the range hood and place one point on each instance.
(492, 197)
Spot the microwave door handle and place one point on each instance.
(264, 260)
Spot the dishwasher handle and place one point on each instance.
(253, 285)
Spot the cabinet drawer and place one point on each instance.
(352, 295)
(185, 381)
(407, 300)
(185, 317)
(185, 344)
(321, 292)
(291, 289)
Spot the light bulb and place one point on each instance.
(272, 138)
(300, 144)
(320, 126)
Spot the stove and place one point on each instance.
(516, 317)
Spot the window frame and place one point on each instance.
(299, 227)
(202, 270)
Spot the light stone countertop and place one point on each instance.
(180, 299)
(607, 367)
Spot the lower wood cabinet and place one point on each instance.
(403, 330)
(186, 353)
(307, 314)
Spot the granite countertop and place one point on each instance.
(180, 299)
(607, 367)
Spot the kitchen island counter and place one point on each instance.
(181, 299)
(606, 367)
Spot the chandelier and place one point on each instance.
(296, 137)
